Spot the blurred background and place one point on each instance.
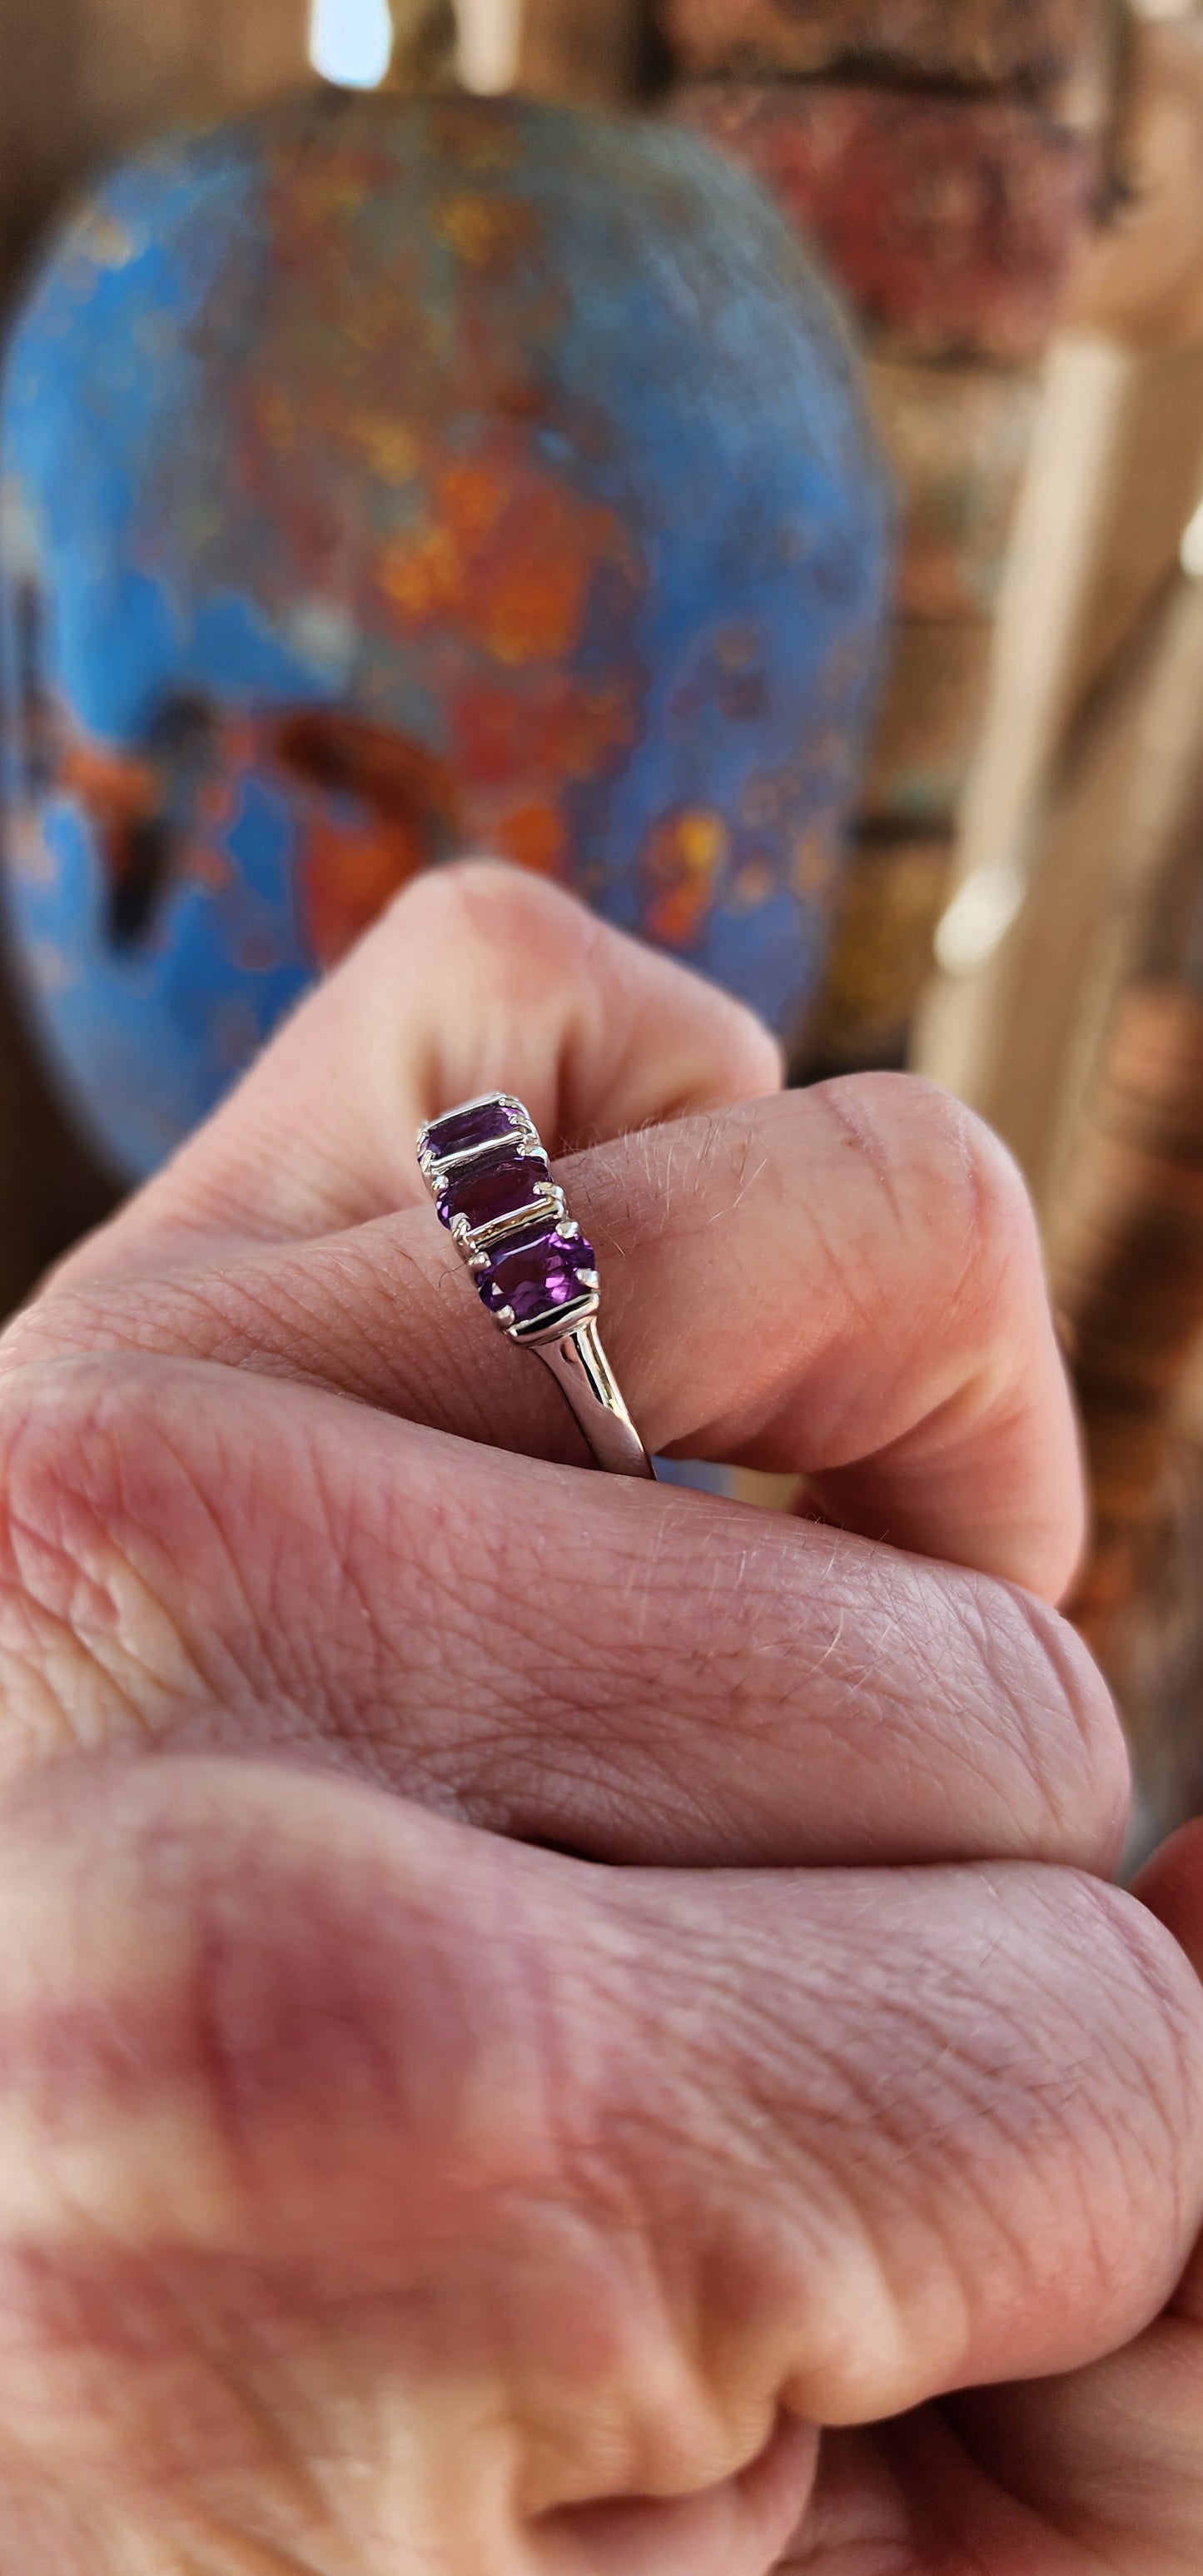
(1008, 198)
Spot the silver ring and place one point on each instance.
(534, 1272)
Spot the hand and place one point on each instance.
(380, 2192)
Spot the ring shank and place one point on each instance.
(583, 1374)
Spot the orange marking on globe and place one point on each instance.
(424, 575)
(562, 730)
(534, 837)
(507, 557)
(683, 859)
(485, 232)
(348, 873)
(534, 585)
(473, 497)
(390, 449)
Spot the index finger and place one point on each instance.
(844, 1283)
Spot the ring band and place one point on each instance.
(533, 1270)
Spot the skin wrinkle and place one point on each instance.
(269, 2429)
(802, 2224)
(1102, 2145)
(274, 1652)
(223, 1649)
(1027, 1711)
(77, 1660)
(972, 1142)
(714, 1652)
(232, 1655)
(987, 1245)
(872, 2108)
(43, 1519)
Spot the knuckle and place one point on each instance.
(245, 2025)
(1060, 1721)
(1141, 2072)
(267, 1972)
(1156, 2011)
(90, 1489)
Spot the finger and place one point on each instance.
(1113, 2455)
(1171, 1886)
(477, 979)
(506, 2188)
(625, 1671)
(844, 1283)
(745, 2523)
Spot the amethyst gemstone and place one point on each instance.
(536, 1275)
(493, 1123)
(484, 1192)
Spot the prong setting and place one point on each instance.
(531, 1265)
(487, 1169)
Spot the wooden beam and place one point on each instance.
(1041, 44)
(591, 53)
(1128, 1273)
(890, 901)
(1140, 277)
(957, 440)
(83, 79)
(929, 724)
(1114, 477)
(1022, 1035)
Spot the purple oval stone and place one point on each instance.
(485, 1192)
(537, 1275)
(463, 1130)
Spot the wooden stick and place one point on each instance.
(1115, 475)
(888, 907)
(81, 79)
(1043, 861)
(1129, 1275)
(957, 441)
(592, 53)
(425, 38)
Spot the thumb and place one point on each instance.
(477, 979)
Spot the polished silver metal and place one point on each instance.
(569, 1343)
(583, 1373)
(550, 1203)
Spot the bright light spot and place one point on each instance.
(1192, 547)
(488, 44)
(351, 41)
(978, 919)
